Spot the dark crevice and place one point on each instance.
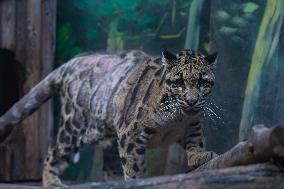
(11, 78)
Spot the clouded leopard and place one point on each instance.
(132, 98)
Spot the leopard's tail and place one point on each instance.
(44, 90)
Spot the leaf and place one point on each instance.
(239, 21)
(64, 32)
(207, 47)
(66, 43)
(250, 7)
(223, 15)
(227, 30)
(184, 4)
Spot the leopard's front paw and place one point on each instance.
(197, 158)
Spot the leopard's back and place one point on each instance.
(90, 84)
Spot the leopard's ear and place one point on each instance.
(168, 58)
(211, 59)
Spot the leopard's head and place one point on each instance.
(189, 77)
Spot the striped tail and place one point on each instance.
(44, 90)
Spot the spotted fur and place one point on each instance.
(130, 99)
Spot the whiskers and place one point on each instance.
(214, 112)
(169, 109)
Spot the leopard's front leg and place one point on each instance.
(132, 152)
(194, 146)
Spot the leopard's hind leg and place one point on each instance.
(58, 158)
(61, 154)
(132, 153)
(111, 163)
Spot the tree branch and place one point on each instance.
(264, 145)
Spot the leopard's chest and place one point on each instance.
(168, 135)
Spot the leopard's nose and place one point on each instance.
(192, 101)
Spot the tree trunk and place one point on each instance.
(115, 41)
(193, 26)
(266, 44)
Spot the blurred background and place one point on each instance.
(247, 34)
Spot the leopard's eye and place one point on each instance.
(206, 90)
(205, 83)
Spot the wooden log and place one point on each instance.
(257, 176)
(264, 145)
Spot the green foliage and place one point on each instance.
(92, 33)
(66, 44)
(184, 4)
(250, 7)
(159, 2)
(227, 30)
(109, 8)
(223, 15)
(138, 22)
(207, 47)
(239, 21)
